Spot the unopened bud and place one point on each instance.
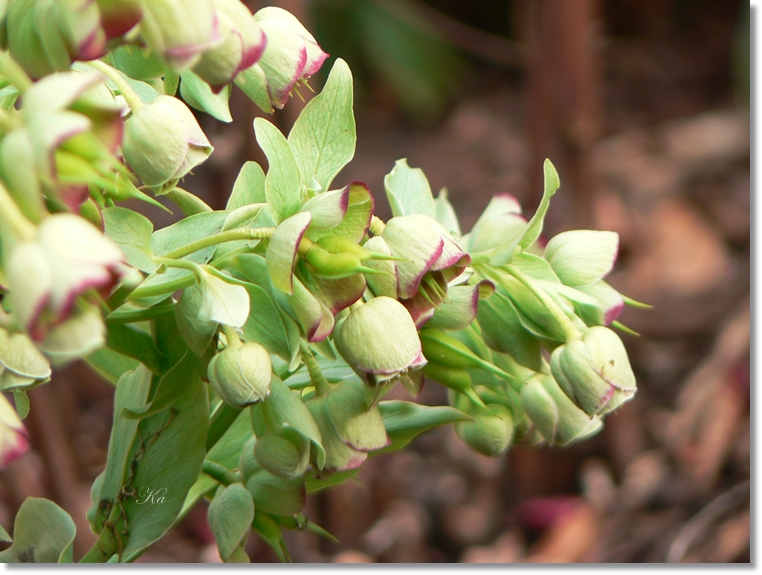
(241, 374)
(594, 371)
(490, 435)
(553, 413)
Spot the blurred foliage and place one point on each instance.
(742, 59)
(391, 41)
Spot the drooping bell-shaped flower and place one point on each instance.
(71, 126)
(179, 30)
(240, 374)
(594, 371)
(379, 340)
(44, 37)
(163, 141)
(48, 278)
(291, 55)
(241, 45)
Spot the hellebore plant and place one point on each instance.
(251, 348)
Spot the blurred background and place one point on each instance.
(643, 106)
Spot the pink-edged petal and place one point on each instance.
(57, 91)
(459, 310)
(315, 318)
(71, 236)
(283, 59)
(13, 436)
(419, 246)
(283, 249)
(358, 214)
(31, 283)
(119, 16)
(315, 54)
(381, 284)
(336, 294)
(328, 209)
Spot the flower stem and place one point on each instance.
(219, 238)
(570, 330)
(130, 96)
(14, 73)
(232, 336)
(220, 473)
(322, 387)
(165, 288)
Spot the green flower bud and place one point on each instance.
(47, 36)
(342, 244)
(555, 416)
(285, 454)
(163, 141)
(490, 435)
(241, 374)
(241, 45)
(332, 265)
(594, 371)
(179, 30)
(378, 340)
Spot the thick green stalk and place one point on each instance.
(129, 95)
(219, 238)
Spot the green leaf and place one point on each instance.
(196, 332)
(230, 515)
(186, 231)
(131, 393)
(269, 529)
(111, 364)
(445, 214)
(408, 190)
(171, 388)
(249, 187)
(313, 483)
(190, 204)
(265, 325)
(22, 403)
(323, 136)
(132, 342)
(42, 533)
(198, 94)
(132, 232)
(404, 420)
(504, 253)
(282, 187)
(172, 460)
(222, 301)
(283, 248)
